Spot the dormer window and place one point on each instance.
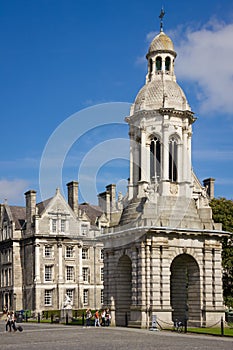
(84, 229)
(167, 64)
(158, 64)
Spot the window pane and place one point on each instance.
(48, 273)
(63, 225)
(48, 297)
(70, 273)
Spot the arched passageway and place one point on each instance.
(185, 289)
(123, 290)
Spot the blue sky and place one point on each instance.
(59, 57)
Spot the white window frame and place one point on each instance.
(48, 253)
(85, 253)
(86, 274)
(63, 225)
(48, 294)
(54, 225)
(101, 296)
(85, 296)
(48, 273)
(101, 274)
(70, 293)
(69, 252)
(70, 273)
(101, 254)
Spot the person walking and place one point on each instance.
(8, 322)
(13, 320)
(97, 319)
(88, 317)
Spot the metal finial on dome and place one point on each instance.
(162, 14)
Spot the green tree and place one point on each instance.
(223, 212)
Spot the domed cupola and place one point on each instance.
(161, 89)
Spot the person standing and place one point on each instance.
(103, 319)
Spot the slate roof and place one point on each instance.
(19, 216)
(42, 205)
(92, 211)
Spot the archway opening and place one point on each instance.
(123, 290)
(185, 290)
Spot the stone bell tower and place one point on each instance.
(163, 258)
(160, 128)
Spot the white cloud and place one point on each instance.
(12, 190)
(205, 59)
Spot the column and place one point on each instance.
(37, 262)
(148, 274)
(134, 276)
(217, 278)
(131, 165)
(60, 270)
(143, 164)
(207, 278)
(165, 153)
(155, 272)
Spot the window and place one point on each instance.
(85, 253)
(48, 273)
(85, 297)
(48, 297)
(84, 229)
(69, 273)
(63, 225)
(155, 159)
(102, 296)
(102, 274)
(85, 274)
(70, 294)
(101, 254)
(54, 225)
(158, 63)
(48, 251)
(167, 64)
(69, 252)
(173, 160)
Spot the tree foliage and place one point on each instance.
(223, 212)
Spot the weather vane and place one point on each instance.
(162, 13)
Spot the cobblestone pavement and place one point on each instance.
(59, 337)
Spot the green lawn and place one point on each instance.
(212, 331)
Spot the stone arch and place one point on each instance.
(185, 289)
(123, 290)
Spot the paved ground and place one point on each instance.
(60, 337)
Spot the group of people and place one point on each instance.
(102, 318)
(10, 322)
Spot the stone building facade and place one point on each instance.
(162, 250)
(48, 251)
(163, 257)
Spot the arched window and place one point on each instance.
(150, 66)
(158, 63)
(173, 160)
(167, 64)
(155, 159)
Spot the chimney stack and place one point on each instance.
(209, 185)
(73, 195)
(30, 206)
(111, 189)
